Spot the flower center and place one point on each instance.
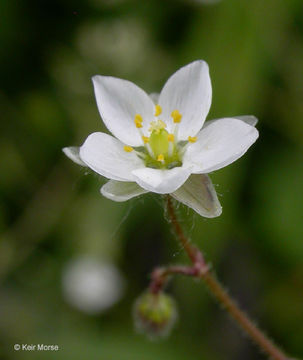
(161, 149)
(164, 153)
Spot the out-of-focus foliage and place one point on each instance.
(51, 210)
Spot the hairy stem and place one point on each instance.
(160, 276)
(202, 271)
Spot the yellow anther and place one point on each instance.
(157, 126)
(145, 139)
(138, 121)
(158, 110)
(176, 116)
(138, 118)
(128, 148)
(192, 139)
(160, 157)
(170, 137)
(138, 124)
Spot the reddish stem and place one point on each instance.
(160, 276)
(202, 271)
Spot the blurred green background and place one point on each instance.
(51, 211)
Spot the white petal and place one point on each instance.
(118, 102)
(72, 152)
(161, 181)
(199, 194)
(248, 119)
(121, 191)
(189, 91)
(219, 144)
(155, 97)
(105, 155)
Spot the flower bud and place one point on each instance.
(155, 314)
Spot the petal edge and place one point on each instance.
(199, 194)
(219, 144)
(118, 102)
(161, 181)
(189, 91)
(73, 153)
(105, 155)
(121, 191)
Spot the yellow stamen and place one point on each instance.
(158, 110)
(128, 148)
(138, 121)
(192, 139)
(160, 157)
(138, 118)
(138, 124)
(170, 137)
(145, 139)
(176, 116)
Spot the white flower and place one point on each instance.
(90, 285)
(161, 143)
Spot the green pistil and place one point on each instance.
(159, 144)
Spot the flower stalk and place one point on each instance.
(160, 276)
(201, 270)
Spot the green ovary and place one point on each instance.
(165, 153)
(159, 143)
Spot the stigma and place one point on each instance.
(157, 126)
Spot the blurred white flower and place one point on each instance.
(90, 285)
(162, 143)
